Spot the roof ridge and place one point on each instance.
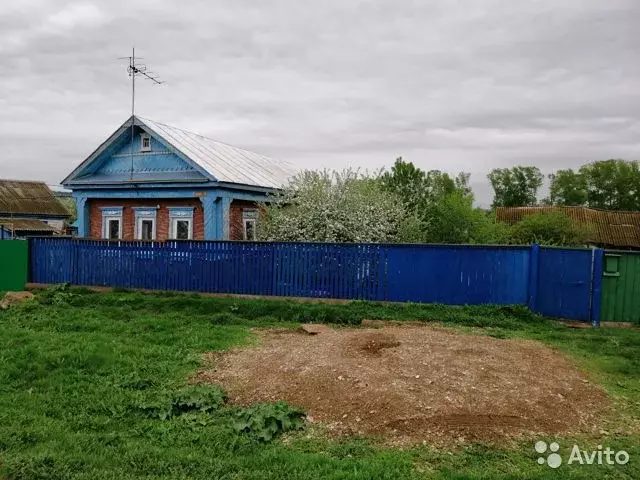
(199, 135)
(23, 181)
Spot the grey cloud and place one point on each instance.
(452, 85)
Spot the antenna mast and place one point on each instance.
(135, 69)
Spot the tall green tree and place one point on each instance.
(568, 188)
(516, 186)
(612, 184)
(418, 188)
(408, 182)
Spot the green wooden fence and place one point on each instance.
(621, 287)
(14, 257)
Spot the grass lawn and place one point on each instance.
(94, 386)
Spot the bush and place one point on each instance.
(190, 399)
(266, 421)
(548, 228)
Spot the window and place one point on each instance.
(249, 229)
(145, 143)
(249, 219)
(146, 229)
(181, 229)
(112, 223)
(181, 223)
(145, 223)
(113, 229)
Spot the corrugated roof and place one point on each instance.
(224, 162)
(25, 225)
(607, 227)
(24, 197)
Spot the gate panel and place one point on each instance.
(564, 283)
(621, 287)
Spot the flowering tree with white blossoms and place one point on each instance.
(325, 206)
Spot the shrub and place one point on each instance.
(266, 421)
(549, 228)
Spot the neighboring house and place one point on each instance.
(608, 228)
(29, 209)
(150, 181)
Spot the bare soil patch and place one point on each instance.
(411, 384)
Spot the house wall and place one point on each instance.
(128, 214)
(236, 227)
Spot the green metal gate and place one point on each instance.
(621, 287)
(14, 258)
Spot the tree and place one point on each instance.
(408, 182)
(568, 188)
(326, 206)
(453, 219)
(515, 187)
(612, 184)
(548, 228)
(439, 206)
(418, 188)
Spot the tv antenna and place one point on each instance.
(136, 69)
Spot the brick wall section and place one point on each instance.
(236, 228)
(162, 216)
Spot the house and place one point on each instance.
(151, 181)
(28, 209)
(607, 228)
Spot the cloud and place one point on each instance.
(447, 85)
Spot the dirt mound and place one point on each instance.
(411, 384)
(14, 298)
(373, 343)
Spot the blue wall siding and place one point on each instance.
(446, 274)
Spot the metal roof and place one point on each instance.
(25, 197)
(605, 227)
(25, 225)
(226, 163)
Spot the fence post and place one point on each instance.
(534, 265)
(596, 285)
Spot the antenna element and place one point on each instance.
(136, 69)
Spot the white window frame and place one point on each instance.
(249, 215)
(143, 137)
(105, 226)
(139, 221)
(244, 228)
(174, 227)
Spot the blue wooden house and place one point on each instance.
(151, 181)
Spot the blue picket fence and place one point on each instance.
(556, 282)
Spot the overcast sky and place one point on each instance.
(451, 85)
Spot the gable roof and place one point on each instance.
(607, 227)
(25, 225)
(18, 197)
(223, 163)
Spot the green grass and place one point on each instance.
(95, 386)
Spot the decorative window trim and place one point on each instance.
(250, 213)
(145, 138)
(108, 214)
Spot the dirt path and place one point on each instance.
(412, 384)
